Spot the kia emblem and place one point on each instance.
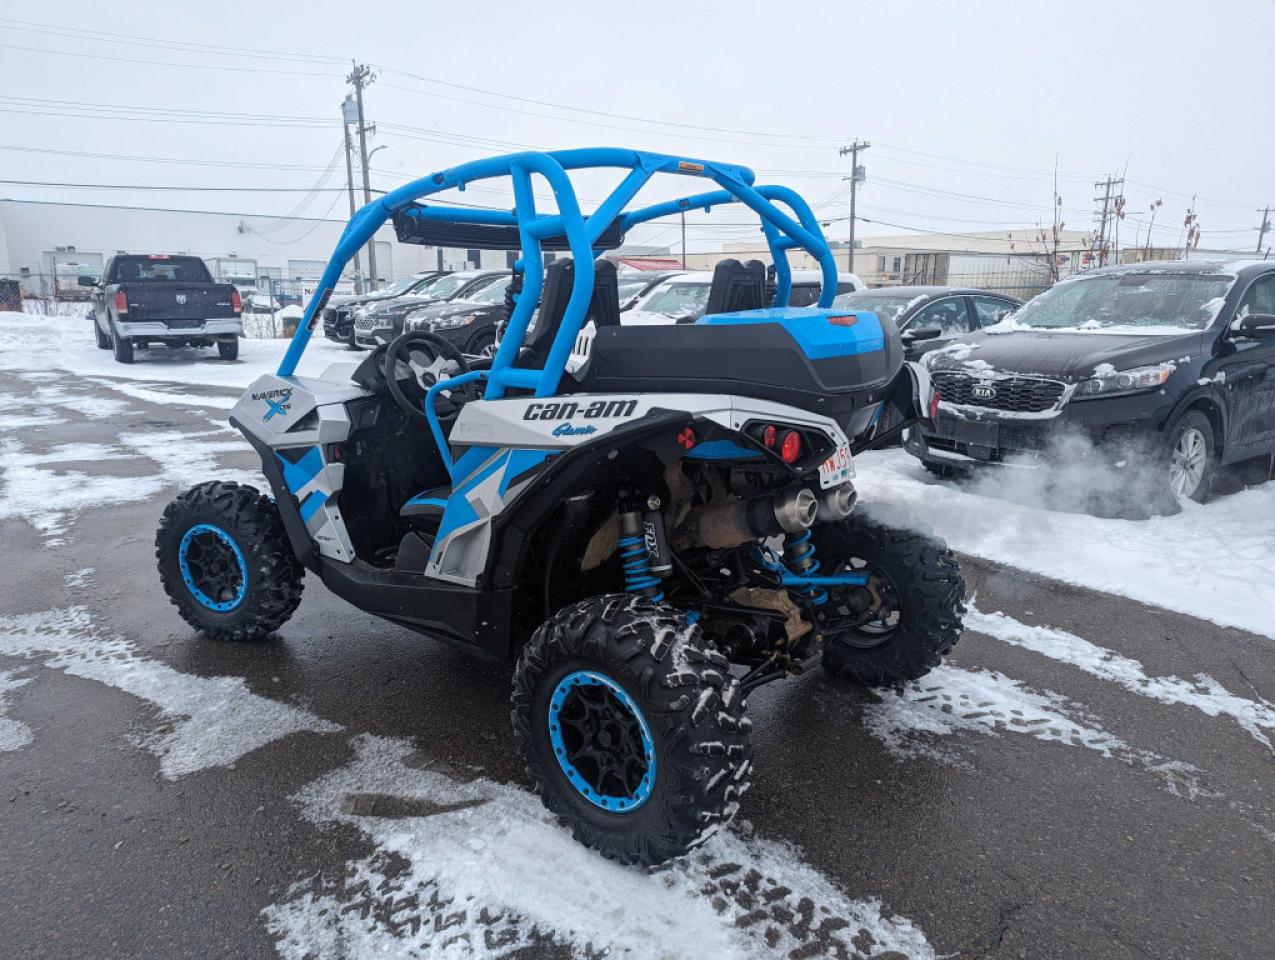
(181, 298)
(983, 391)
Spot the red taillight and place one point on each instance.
(848, 320)
(790, 446)
(769, 435)
(934, 405)
(121, 301)
(686, 438)
(236, 301)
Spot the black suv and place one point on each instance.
(1163, 369)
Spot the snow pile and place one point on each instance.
(481, 868)
(205, 721)
(1204, 693)
(1214, 561)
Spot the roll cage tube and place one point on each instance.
(782, 233)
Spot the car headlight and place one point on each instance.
(446, 323)
(1111, 382)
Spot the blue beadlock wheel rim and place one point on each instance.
(610, 707)
(205, 558)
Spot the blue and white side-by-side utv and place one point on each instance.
(650, 537)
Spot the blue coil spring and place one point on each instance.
(637, 568)
(799, 553)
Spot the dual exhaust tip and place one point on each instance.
(796, 510)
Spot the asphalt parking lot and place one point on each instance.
(349, 786)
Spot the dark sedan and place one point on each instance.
(338, 315)
(950, 311)
(1161, 372)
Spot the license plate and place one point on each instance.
(837, 469)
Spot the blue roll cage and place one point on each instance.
(737, 186)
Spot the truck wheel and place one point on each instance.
(226, 563)
(632, 728)
(103, 341)
(228, 349)
(905, 620)
(123, 348)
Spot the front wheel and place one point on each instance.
(901, 624)
(632, 728)
(226, 563)
(228, 349)
(1191, 460)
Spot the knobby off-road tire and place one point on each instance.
(225, 561)
(691, 706)
(926, 582)
(228, 349)
(122, 347)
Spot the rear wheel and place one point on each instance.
(228, 349)
(123, 348)
(901, 624)
(632, 728)
(226, 563)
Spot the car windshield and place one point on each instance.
(678, 299)
(446, 286)
(401, 285)
(886, 308)
(1151, 302)
(491, 292)
(630, 288)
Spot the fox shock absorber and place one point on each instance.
(636, 555)
(799, 555)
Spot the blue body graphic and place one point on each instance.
(611, 802)
(183, 549)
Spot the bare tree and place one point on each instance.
(1146, 252)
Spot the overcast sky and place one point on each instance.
(967, 105)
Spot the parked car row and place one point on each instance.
(1163, 370)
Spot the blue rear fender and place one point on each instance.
(820, 332)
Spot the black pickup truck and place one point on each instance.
(142, 299)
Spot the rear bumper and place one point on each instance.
(161, 330)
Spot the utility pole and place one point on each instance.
(1261, 231)
(683, 239)
(857, 176)
(1105, 215)
(360, 76)
(349, 114)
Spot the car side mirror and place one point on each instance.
(84, 281)
(922, 333)
(1259, 326)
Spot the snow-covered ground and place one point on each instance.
(1215, 561)
(30, 342)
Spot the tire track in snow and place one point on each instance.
(13, 734)
(1204, 693)
(204, 721)
(951, 699)
(483, 869)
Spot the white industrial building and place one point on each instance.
(46, 245)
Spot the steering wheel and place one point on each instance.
(440, 355)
